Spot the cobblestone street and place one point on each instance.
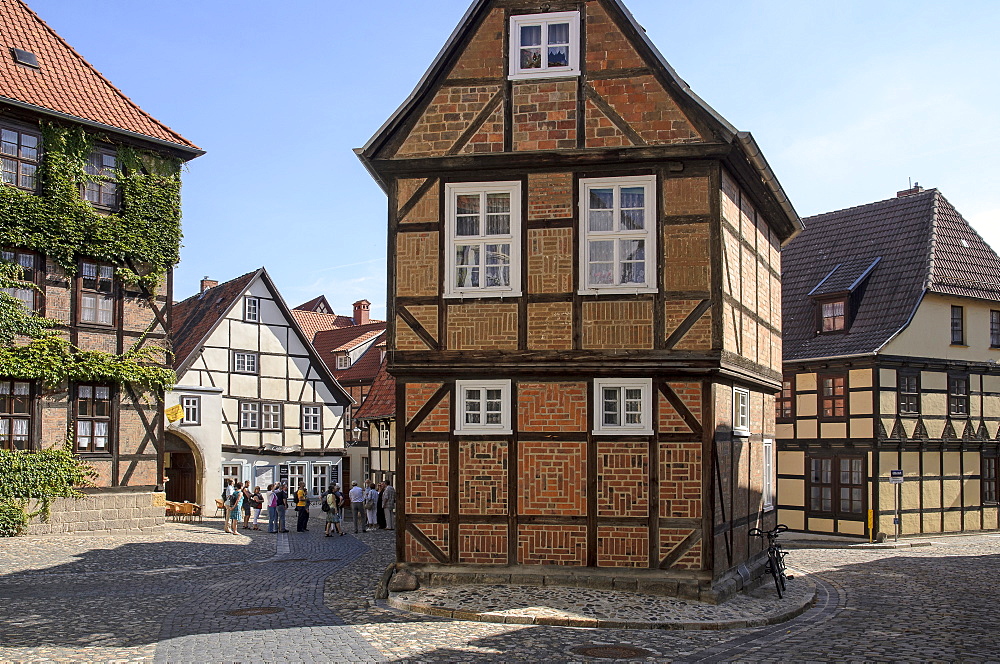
(164, 596)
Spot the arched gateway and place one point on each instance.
(182, 467)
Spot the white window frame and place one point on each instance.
(249, 358)
(767, 486)
(272, 416)
(319, 471)
(238, 477)
(452, 191)
(741, 410)
(648, 234)
(644, 427)
(251, 309)
(249, 409)
(192, 409)
(344, 361)
(297, 474)
(383, 434)
(544, 20)
(313, 418)
(463, 427)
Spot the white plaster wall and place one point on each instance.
(207, 436)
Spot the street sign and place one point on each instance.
(895, 477)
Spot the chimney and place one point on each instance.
(909, 192)
(361, 312)
(207, 283)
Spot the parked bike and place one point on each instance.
(775, 555)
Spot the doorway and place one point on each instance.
(181, 470)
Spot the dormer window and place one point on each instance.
(839, 293)
(545, 45)
(344, 361)
(832, 315)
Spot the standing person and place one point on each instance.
(332, 511)
(302, 507)
(247, 504)
(341, 501)
(357, 498)
(256, 503)
(371, 504)
(235, 508)
(272, 508)
(227, 492)
(280, 505)
(379, 507)
(389, 504)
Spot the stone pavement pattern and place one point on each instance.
(582, 607)
(162, 596)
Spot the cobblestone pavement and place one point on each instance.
(582, 607)
(163, 595)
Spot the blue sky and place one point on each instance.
(848, 100)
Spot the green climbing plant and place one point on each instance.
(144, 232)
(142, 237)
(37, 476)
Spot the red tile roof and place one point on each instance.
(196, 316)
(64, 82)
(312, 322)
(318, 304)
(381, 400)
(328, 343)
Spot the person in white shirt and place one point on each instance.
(371, 505)
(357, 496)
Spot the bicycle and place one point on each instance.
(775, 555)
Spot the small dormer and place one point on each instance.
(343, 361)
(838, 295)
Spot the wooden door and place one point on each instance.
(181, 476)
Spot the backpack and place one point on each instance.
(234, 498)
(326, 503)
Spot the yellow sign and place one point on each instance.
(174, 413)
(871, 518)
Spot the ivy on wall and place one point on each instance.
(39, 476)
(57, 221)
(142, 238)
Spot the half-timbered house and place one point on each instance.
(259, 404)
(80, 162)
(891, 352)
(584, 304)
(352, 348)
(377, 415)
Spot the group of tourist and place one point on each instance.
(372, 507)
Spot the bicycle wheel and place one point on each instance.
(774, 567)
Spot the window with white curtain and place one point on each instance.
(623, 406)
(545, 45)
(618, 250)
(483, 222)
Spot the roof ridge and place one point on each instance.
(932, 245)
(83, 60)
(892, 199)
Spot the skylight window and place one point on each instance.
(26, 58)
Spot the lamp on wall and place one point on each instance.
(356, 434)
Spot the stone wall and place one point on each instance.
(102, 512)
